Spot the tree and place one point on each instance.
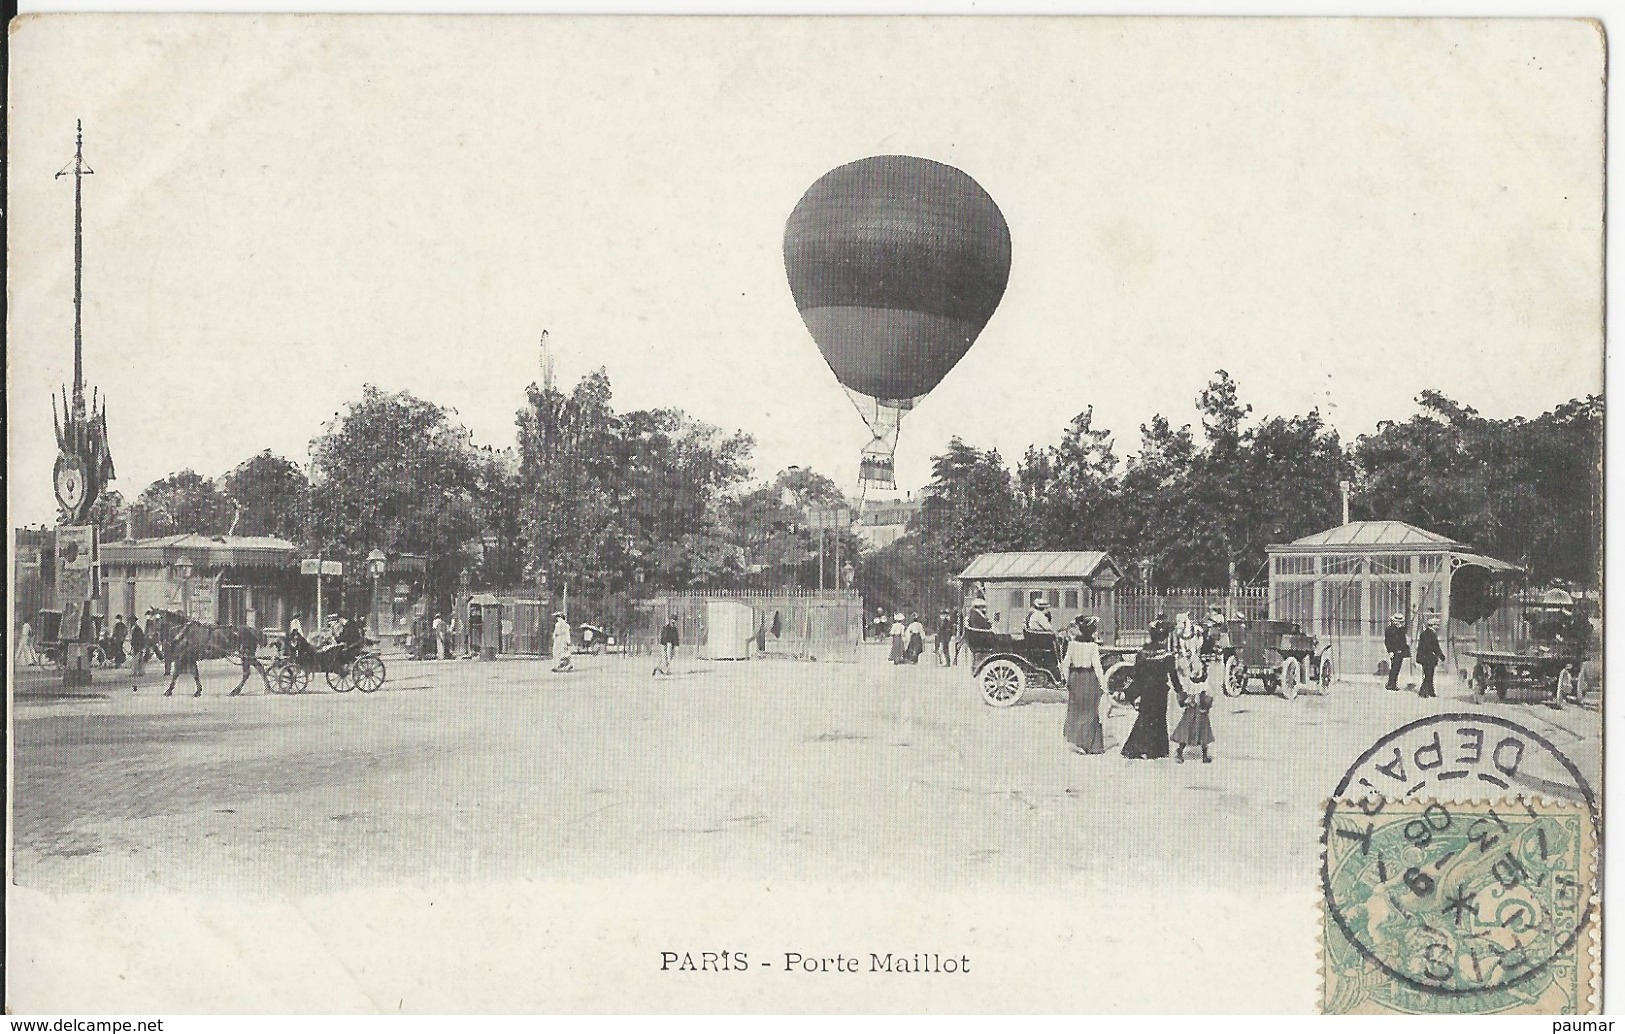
(393, 472)
(270, 495)
(1529, 491)
(971, 507)
(1071, 489)
(186, 503)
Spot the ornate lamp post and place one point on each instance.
(377, 563)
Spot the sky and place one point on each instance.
(1340, 213)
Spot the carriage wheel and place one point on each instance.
(339, 681)
(1235, 676)
(1119, 679)
(1565, 685)
(287, 680)
(367, 673)
(1325, 674)
(1003, 682)
(1290, 677)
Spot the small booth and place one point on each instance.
(485, 626)
(1082, 582)
(730, 626)
(1345, 583)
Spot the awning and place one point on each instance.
(1479, 560)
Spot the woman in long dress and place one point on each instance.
(897, 628)
(1154, 675)
(1084, 680)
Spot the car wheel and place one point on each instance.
(1290, 676)
(1003, 682)
(1119, 680)
(1235, 677)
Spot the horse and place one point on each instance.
(186, 641)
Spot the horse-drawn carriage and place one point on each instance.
(1278, 655)
(346, 666)
(1005, 666)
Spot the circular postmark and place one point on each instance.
(1458, 859)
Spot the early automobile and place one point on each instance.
(1546, 662)
(1278, 655)
(1005, 665)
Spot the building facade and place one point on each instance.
(1345, 584)
(218, 579)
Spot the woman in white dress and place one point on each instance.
(1084, 683)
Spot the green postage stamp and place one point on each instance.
(1437, 906)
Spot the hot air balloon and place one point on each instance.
(896, 264)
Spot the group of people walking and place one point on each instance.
(1429, 654)
(908, 638)
(1155, 676)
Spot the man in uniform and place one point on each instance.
(1398, 646)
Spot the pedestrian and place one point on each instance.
(561, 642)
(958, 638)
(1429, 655)
(1398, 646)
(438, 631)
(155, 635)
(452, 631)
(27, 652)
(116, 641)
(248, 647)
(1195, 728)
(138, 649)
(1085, 680)
(899, 645)
(945, 638)
(1154, 676)
(916, 639)
(668, 645)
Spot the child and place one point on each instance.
(1195, 728)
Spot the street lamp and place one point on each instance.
(377, 563)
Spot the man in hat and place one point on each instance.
(1429, 654)
(561, 642)
(1398, 646)
(1038, 619)
(976, 618)
(945, 639)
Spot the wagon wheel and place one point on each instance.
(1120, 682)
(1290, 677)
(1325, 674)
(367, 673)
(1235, 676)
(1003, 681)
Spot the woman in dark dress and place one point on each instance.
(1154, 676)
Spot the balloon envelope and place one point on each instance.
(896, 264)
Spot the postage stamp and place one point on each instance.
(1474, 907)
(1459, 871)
